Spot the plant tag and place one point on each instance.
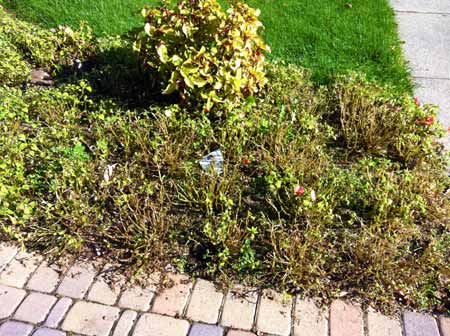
(107, 174)
(214, 159)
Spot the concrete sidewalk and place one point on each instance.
(424, 25)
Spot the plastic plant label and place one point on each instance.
(213, 159)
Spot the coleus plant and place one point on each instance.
(211, 57)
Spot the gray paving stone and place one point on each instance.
(7, 252)
(417, 324)
(103, 292)
(35, 308)
(380, 325)
(426, 6)
(427, 43)
(48, 332)
(444, 324)
(91, 319)
(274, 314)
(205, 302)
(173, 298)
(200, 329)
(309, 319)
(45, 278)
(77, 281)
(346, 319)
(58, 312)
(136, 298)
(239, 333)
(13, 328)
(239, 308)
(436, 91)
(10, 299)
(125, 323)
(19, 269)
(159, 325)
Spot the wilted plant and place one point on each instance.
(380, 121)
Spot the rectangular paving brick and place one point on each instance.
(205, 302)
(239, 333)
(7, 253)
(173, 298)
(58, 312)
(10, 299)
(239, 308)
(309, 319)
(444, 323)
(45, 278)
(91, 319)
(274, 314)
(199, 329)
(14, 328)
(125, 323)
(136, 298)
(159, 325)
(346, 319)
(417, 324)
(35, 308)
(380, 325)
(48, 332)
(103, 292)
(19, 269)
(77, 281)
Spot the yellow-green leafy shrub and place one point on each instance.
(206, 54)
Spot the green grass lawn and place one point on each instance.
(327, 36)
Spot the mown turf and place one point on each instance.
(327, 36)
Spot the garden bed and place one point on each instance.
(331, 191)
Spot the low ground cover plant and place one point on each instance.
(331, 191)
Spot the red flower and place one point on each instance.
(417, 101)
(425, 121)
(448, 129)
(299, 190)
(429, 121)
(245, 162)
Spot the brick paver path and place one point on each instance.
(37, 299)
(424, 25)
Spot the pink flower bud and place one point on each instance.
(299, 190)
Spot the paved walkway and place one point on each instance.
(424, 25)
(41, 300)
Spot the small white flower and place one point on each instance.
(168, 113)
(68, 31)
(313, 195)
